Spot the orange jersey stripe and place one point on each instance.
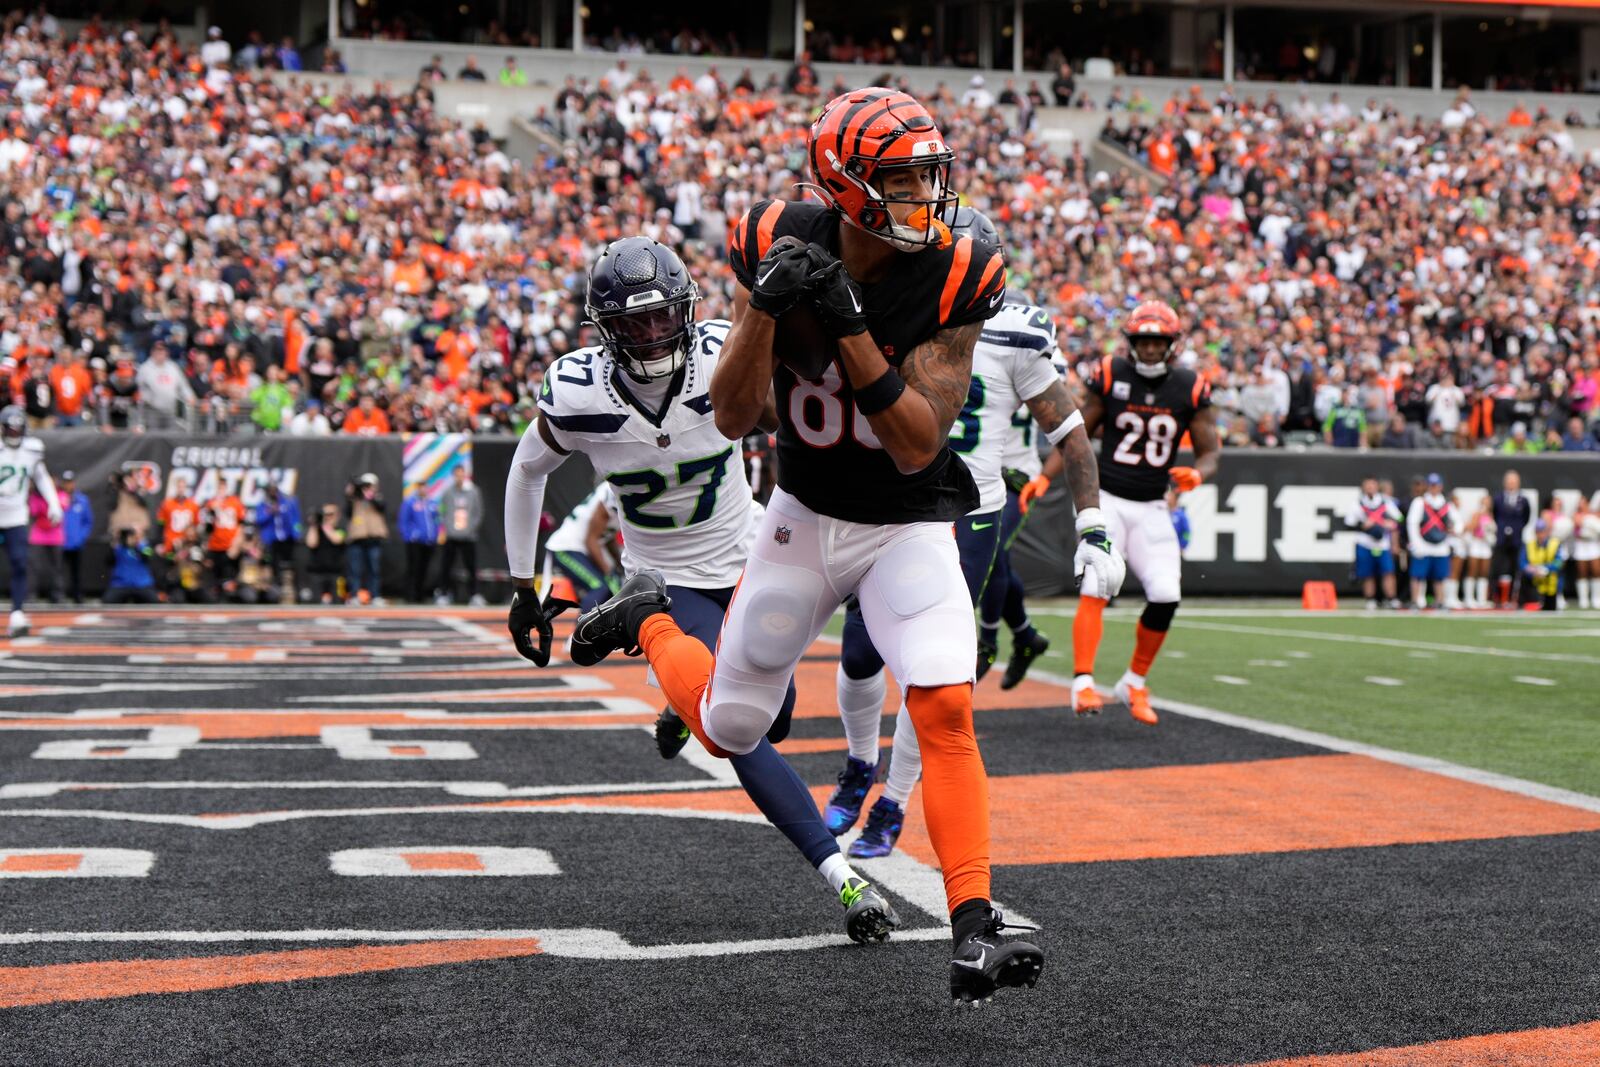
(952, 281)
(769, 220)
(993, 265)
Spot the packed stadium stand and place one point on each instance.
(279, 242)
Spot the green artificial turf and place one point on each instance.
(1443, 686)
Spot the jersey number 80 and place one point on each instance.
(816, 411)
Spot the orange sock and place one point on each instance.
(1146, 643)
(1087, 626)
(955, 789)
(683, 667)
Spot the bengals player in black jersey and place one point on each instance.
(1144, 405)
(867, 485)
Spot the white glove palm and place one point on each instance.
(54, 515)
(1097, 565)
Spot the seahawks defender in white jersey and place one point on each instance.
(1011, 365)
(21, 469)
(637, 405)
(1026, 477)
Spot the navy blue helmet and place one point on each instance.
(642, 299)
(970, 222)
(13, 426)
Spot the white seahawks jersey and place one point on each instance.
(1010, 364)
(21, 468)
(573, 533)
(681, 493)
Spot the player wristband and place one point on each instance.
(1073, 422)
(881, 394)
(1091, 518)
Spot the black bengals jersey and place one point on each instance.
(828, 456)
(1144, 423)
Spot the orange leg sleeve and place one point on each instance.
(1087, 626)
(683, 667)
(1146, 644)
(955, 789)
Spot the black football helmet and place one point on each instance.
(970, 222)
(642, 299)
(13, 425)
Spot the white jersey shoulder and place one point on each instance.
(1011, 363)
(681, 491)
(18, 466)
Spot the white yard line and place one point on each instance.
(1491, 779)
(1391, 642)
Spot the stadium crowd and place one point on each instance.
(192, 243)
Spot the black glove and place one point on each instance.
(528, 615)
(782, 277)
(835, 295)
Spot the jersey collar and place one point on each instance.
(656, 418)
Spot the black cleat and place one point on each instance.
(615, 624)
(1023, 653)
(984, 964)
(868, 917)
(671, 733)
(986, 657)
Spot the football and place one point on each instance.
(801, 344)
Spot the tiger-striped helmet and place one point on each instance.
(865, 132)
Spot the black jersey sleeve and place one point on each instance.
(974, 285)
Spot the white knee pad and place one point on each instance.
(739, 716)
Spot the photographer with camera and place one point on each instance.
(367, 529)
(325, 542)
(278, 520)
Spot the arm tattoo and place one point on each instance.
(1051, 408)
(941, 370)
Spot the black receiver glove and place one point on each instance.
(835, 295)
(782, 277)
(528, 616)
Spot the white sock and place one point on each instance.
(1583, 592)
(1081, 682)
(836, 870)
(1483, 592)
(1594, 592)
(1135, 681)
(1450, 598)
(861, 708)
(905, 763)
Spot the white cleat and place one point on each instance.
(19, 624)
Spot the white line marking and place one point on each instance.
(1528, 679)
(1228, 679)
(1504, 782)
(1525, 632)
(1392, 642)
(580, 943)
(1378, 679)
(1268, 663)
(1297, 654)
(77, 863)
(518, 691)
(400, 862)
